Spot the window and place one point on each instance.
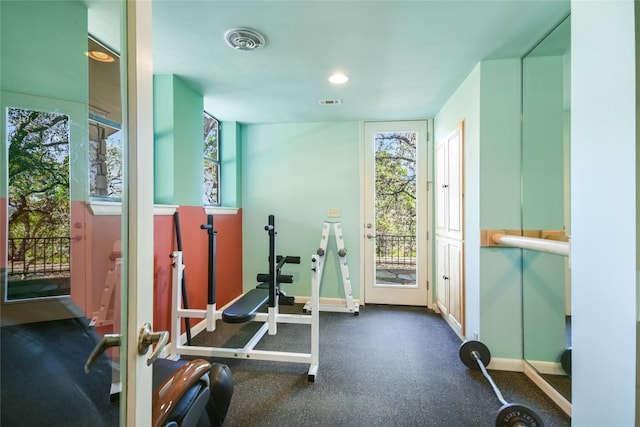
(211, 188)
(105, 118)
(105, 161)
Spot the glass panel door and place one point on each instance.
(396, 224)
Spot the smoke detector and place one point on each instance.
(244, 39)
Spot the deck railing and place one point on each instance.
(394, 250)
(38, 257)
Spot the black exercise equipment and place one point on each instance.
(190, 393)
(185, 303)
(565, 360)
(475, 355)
(246, 307)
(211, 275)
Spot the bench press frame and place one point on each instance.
(270, 319)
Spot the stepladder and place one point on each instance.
(110, 299)
(349, 306)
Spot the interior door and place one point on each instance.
(396, 213)
(139, 212)
(47, 340)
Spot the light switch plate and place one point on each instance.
(334, 213)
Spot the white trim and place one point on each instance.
(137, 220)
(518, 365)
(547, 389)
(547, 368)
(103, 208)
(387, 294)
(363, 204)
(220, 210)
(164, 210)
(333, 302)
(503, 364)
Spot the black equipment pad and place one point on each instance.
(246, 307)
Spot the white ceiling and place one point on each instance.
(405, 58)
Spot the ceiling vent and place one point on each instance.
(244, 39)
(330, 101)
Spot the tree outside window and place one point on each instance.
(211, 187)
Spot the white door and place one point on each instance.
(118, 241)
(396, 213)
(139, 93)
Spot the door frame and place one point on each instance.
(424, 226)
(138, 210)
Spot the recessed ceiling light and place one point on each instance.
(338, 78)
(100, 56)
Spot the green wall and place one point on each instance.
(35, 73)
(297, 172)
(230, 163)
(33, 62)
(542, 135)
(500, 152)
(489, 102)
(543, 203)
(178, 142)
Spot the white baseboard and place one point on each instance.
(553, 394)
(326, 301)
(547, 368)
(503, 364)
(517, 365)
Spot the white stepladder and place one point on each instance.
(350, 306)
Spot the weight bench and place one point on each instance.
(244, 309)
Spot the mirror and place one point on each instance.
(546, 281)
(60, 255)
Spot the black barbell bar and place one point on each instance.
(475, 355)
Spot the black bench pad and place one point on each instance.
(246, 307)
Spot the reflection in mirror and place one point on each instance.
(61, 146)
(545, 206)
(38, 244)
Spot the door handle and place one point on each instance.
(147, 337)
(109, 340)
(370, 236)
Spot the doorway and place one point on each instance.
(397, 213)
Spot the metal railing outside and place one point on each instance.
(394, 250)
(38, 257)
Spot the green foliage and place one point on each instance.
(39, 203)
(395, 179)
(211, 183)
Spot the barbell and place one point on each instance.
(475, 355)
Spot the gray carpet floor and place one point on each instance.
(388, 366)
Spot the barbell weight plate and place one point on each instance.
(515, 415)
(466, 350)
(565, 361)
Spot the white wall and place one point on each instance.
(603, 212)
